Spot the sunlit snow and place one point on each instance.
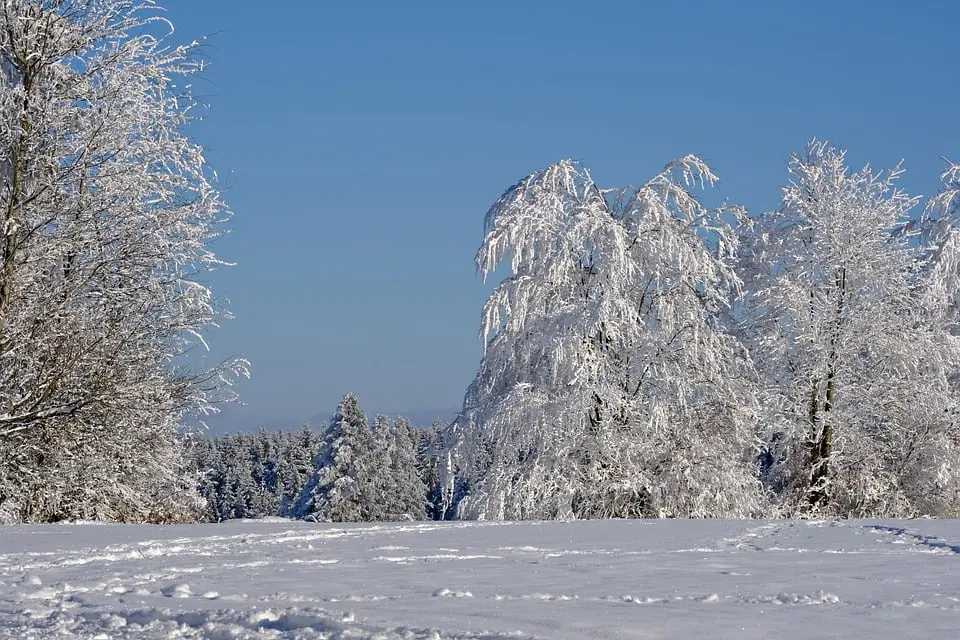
(597, 579)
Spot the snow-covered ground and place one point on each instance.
(582, 580)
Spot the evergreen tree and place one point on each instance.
(376, 473)
(264, 459)
(252, 475)
(240, 474)
(209, 468)
(334, 493)
(409, 491)
(428, 468)
(300, 450)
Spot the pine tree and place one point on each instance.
(240, 474)
(208, 466)
(377, 482)
(334, 492)
(296, 466)
(252, 475)
(409, 490)
(264, 459)
(428, 468)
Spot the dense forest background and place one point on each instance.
(346, 471)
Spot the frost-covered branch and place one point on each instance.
(107, 211)
(856, 357)
(606, 387)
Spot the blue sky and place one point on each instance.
(361, 143)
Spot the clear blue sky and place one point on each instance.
(361, 144)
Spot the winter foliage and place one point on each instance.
(254, 475)
(853, 337)
(607, 388)
(647, 356)
(347, 472)
(106, 214)
(364, 474)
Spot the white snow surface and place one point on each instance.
(596, 579)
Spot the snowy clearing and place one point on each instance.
(596, 579)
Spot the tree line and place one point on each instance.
(649, 356)
(349, 471)
(645, 355)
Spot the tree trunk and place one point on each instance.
(822, 447)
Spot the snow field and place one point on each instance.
(595, 579)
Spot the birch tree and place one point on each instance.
(948, 201)
(107, 210)
(941, 247)
(606, 387)
(856, 353)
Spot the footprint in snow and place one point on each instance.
(177, 591)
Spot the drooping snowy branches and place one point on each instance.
(642, 346)
(607, 388)
(941, 244)
(106, 214)
(948, 201)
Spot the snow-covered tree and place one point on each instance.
(387, 483)
(252, 475)
(408, 490)
(106, 213)
(846, 321)
(606, 387)
(948, 201)
(941, 246)
(428, 453)
(336, 492)
(376, 474)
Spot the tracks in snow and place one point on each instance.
(428, 580)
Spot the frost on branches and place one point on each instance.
(851, 322)
(106, 213)
(942, 244)
(607, 388)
